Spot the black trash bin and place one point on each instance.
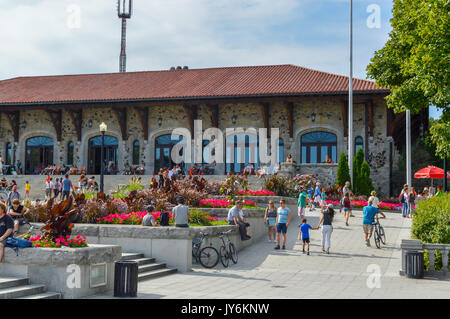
(414, 264)
(125, 278)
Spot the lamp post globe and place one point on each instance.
(103, 129)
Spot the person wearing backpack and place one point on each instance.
(411, 201)
(403, 197)
(6, 228)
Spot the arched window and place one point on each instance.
(241, 149)
(136, 152)
(8, 159)
(359, 143)
(110, 151)
(163, 151)
(316, 146)
(70, 147)
(280, 151)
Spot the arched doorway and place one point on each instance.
(38, 154)
(109, 153)
(241, 149)
(163, 150)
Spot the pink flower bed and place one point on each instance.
(77, 242)
(221, 203)
(133, 218)
(361, 204)
(256, 193)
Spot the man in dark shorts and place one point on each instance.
(66, 187)
(16, 212)
(6, 228)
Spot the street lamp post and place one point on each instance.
(103, 128)
(350, 100)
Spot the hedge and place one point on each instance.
(431, 223)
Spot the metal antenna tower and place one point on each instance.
(124, 12)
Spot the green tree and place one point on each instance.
(440, 135)
(365, 182)
(414, 63)
(357, 162)
(343, 172)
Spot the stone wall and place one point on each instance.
(248, 115)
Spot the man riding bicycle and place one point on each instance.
(370, 214)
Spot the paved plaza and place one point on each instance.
(346, 272)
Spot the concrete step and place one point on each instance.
(128, 256)
(21, 291)
(150, 267)
(156, 273)
(44, 295)
(8, 282)
(143, 261)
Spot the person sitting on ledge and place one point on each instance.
(236, 217)
(148, 219)
(289, 159)
(180, 213)
(6, 228)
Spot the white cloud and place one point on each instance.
(164, 33)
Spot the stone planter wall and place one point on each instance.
(64, 270)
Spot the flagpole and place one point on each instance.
(350, 99)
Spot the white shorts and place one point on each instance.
(301, 211)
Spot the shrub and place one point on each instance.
(365, 182)
(357, 163)
(280, 185)
(343, 172)
(233, 184)
(431, 223)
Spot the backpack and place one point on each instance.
(16, 243)
(164, 219)
(402, 198)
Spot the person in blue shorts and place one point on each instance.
(304, 234)
(283, 220)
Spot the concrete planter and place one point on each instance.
(73, 272)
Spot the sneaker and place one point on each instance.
(284, 247)
(277, 247)
(346, 224)
(368, 243)
(303, 251)
(307, 253)
(328, 251)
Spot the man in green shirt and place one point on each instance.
(302, 202)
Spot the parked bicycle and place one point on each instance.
(227, 250)
(207, 256)
(378, 234)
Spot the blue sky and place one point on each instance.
(43, 39)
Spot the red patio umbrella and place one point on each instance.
(431, 172)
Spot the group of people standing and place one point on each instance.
(409, 198)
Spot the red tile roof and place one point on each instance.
(179, 84)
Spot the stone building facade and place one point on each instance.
(71, 117)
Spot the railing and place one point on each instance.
(408, 245)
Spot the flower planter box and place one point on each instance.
(73, 272)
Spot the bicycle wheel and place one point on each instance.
(376, 238)
(208, 257)
(233, 253)
(224, 256)
(382, 235)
